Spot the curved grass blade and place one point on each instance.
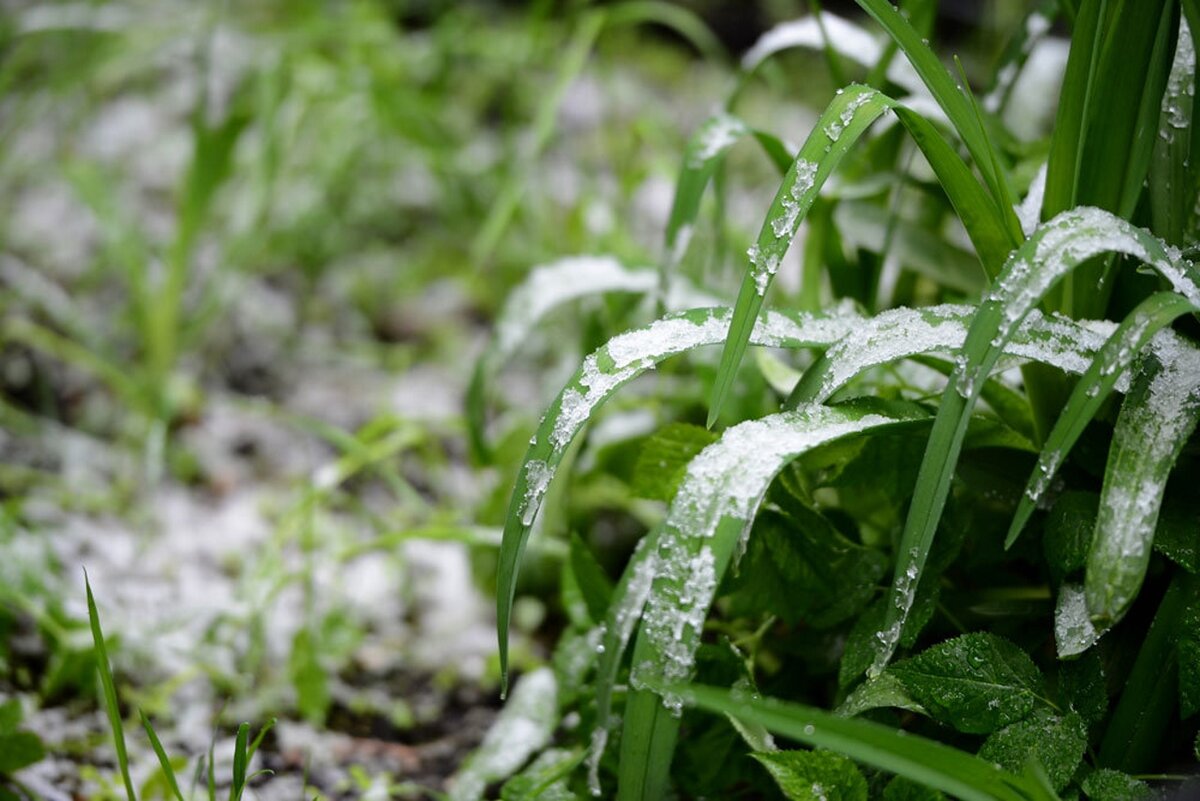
(1098, 381)
(682, 20)
(546, 288)
(949, 95)
(823, 30)
(1055, 249)
(1158, 415)
(925, 761)
(845, 120)
(623, 358)
(708, 522)
(904, 333)
(111, 705)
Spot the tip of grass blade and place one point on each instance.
(109, 688)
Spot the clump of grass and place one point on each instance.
(995, 664)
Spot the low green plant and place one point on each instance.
(243, 750)
(1037, 637)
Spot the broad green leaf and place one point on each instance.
(522, 728)
(19, 749)
(885, 690)
(1058, 743)
(603, 372)
(1189, 655)
(1082, 688)
(707, 522)
(664, 457)
(1139, 720)
(111, 704)
(1101, 377)
(1053, 251)
(814, 775)
(1113, 785)
(1177, 536)
(1158, 415)
(902, 789)
(925, 761)
(977, 682)
(10, 716)
(799, 567)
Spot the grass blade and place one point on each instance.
(240, 761)
(949, 96)
(109, 687)
(163, 760)
(845, 120)
(1158, 415)
(624, 357)
(928, 762)
(906, 333)
(1102, 376)
(1172, 186)
(1054, 250)
(707, 523)
(1137, 725)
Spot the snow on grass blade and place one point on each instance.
(1055, 249)
(1158, 415)
(546, 288)
(925, 761)
(904, 333)
(707, 524)
(821, 30)
(1101, 377)
(623, 358)
(522, 728)
(846, 119)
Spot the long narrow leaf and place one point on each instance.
(924, 761)
(1158, 415)
(707, 523)
(111, 705)
(1053, 251)
(624, 357)
(1102, 376)
(164, 762)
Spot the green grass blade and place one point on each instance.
(1053, 251)
(1066, 139)
(240, 761)
(163, 760)
(925, 761)
(845, 120)
(949, 96)
(821, 30)
(548, 287)
(707, 523)
(1135, 730)
(906, 333)
(1172, 187)
(109, 687)
(603, 372)
(1158, 415)
(682, 20)
(1102, 376)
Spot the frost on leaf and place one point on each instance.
(522, 728)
